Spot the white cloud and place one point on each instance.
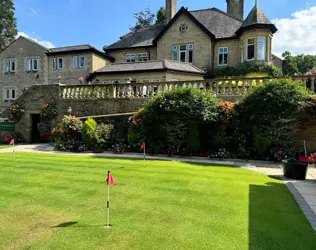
(37, 39)
(296, 34)
(35, 12)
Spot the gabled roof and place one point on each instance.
(256, 19)
(27, 39)
(152, 66)
(192, 17)
(78, 49)
(140, 38)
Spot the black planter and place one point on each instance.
(294, 169)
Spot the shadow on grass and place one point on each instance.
(275, 220)
(75, 224)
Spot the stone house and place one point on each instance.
(25, 63)
(207, 39)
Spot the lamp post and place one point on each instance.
(69, 111)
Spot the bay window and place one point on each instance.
(222, 56)
(182, 52)
(251, 49)
(261, 43)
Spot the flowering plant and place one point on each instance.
(81, 79)
(280, 154)
(225, 114)
(137, 119)
(16, 112)
(222, 154)
(49, 111)
(119, 148)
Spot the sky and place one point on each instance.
(60, 23)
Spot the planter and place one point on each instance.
(294, 169)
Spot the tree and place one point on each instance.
(161, 16)
(289, 64)
(8, 29)
(144, 19)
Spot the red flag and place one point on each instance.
(110, 179)
(143, 145)
(12, 142)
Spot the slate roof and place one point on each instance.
(78, 48)
(159, 65)
(257, 18)
(140, 38)
(217, 22)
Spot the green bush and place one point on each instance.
(273, 101)
(89, 133)
(270, 114)
(175, 119)
(246, 68)
(103, 137)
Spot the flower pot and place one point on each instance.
(294, 169)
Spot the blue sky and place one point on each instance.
(102, 22)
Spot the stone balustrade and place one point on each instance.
(235, 87)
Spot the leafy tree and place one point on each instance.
(289, 64)
(144, 18)
(299, 64)
(161, 16)
(8, 29)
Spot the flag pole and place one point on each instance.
(108, 205)
(144, 154)
(14, 150)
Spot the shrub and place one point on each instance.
(270, 113)
(104, 137)
(68, 135)
(174, 118)
(273, 101)
(89, 133)
(246, 68)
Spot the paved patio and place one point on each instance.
(304, 192)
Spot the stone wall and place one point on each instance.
(37, 95)
(233, 52)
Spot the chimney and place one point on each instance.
(171, 10)
(235, 8)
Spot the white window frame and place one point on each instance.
(54, 63)
(10, 89)
(30, 64)
(254, 44)
(60, 58)
(222, 53)
(176, 52)
(264, 48)
(8, 66)
(84, 62)
(128, 58)
(142, 57)
(75, 62)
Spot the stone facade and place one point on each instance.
(233, 46)
(120, 55)
(20, 51)
(202, 51)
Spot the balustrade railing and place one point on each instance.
(219, 87)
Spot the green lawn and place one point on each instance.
(166, 205)
(3, 146)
